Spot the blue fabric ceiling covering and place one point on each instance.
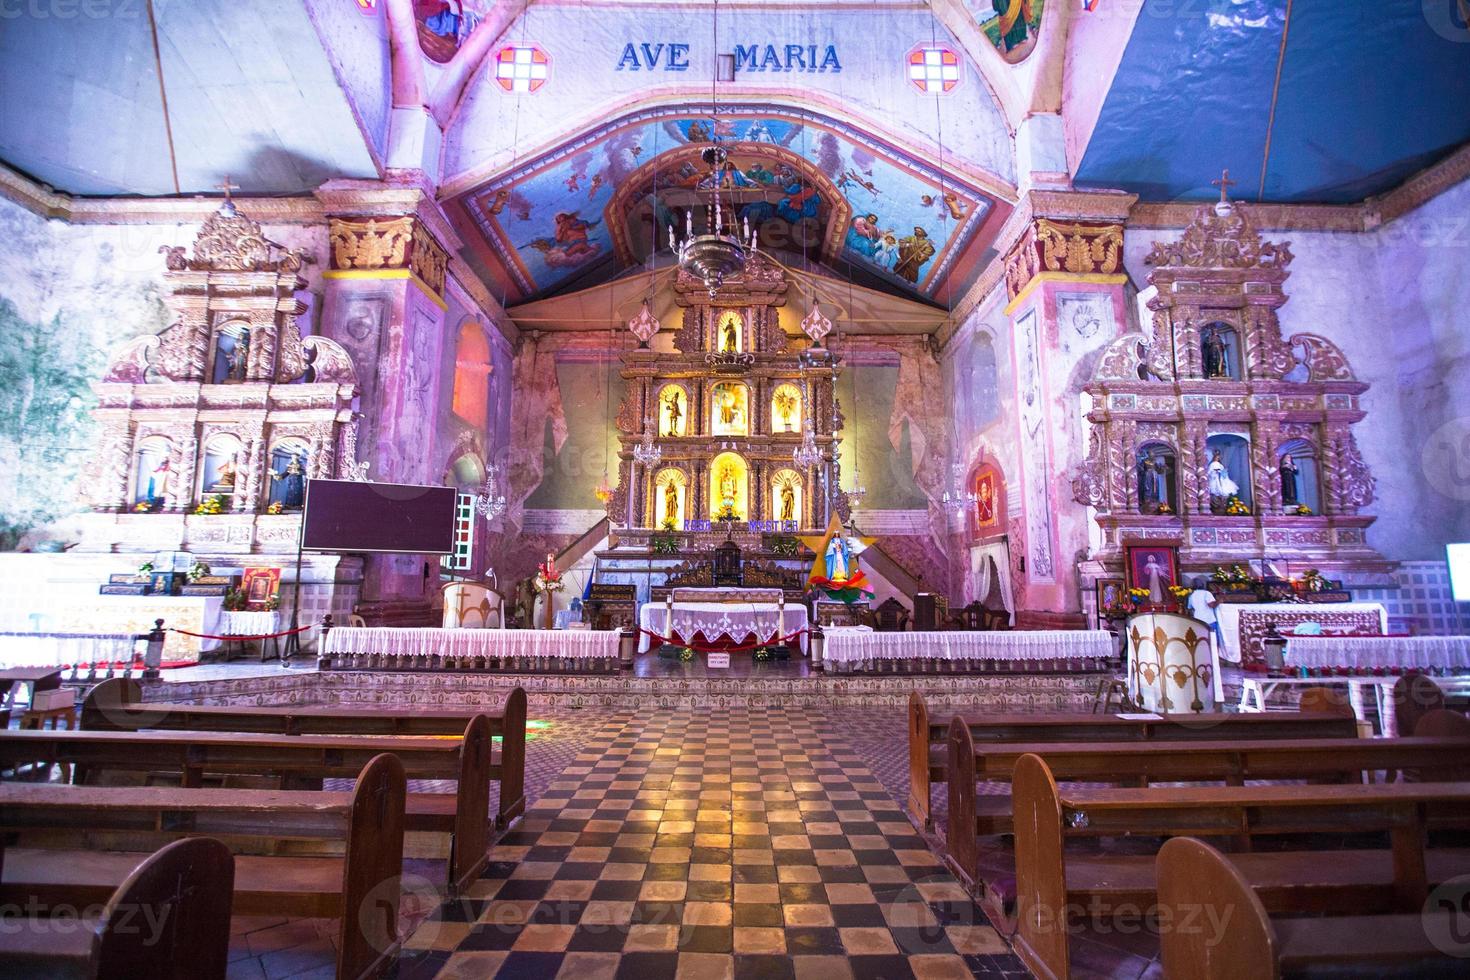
(1369, 94)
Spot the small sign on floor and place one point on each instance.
(718, 660)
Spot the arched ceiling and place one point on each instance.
(818, 191)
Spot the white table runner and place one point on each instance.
(1449, 653)
(735, 620)
(410, 641)
(852, 644)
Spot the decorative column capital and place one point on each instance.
(400, 247)
(1089, 251)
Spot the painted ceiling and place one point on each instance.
(1368, 94)
(816, 191)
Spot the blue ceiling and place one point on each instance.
(1370, 92)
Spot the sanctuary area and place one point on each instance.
(746, 489)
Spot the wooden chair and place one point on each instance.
(169, 920)
(890, 616)
(1220, 930)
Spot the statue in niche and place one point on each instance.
(1215, 354)
(730, 334)
(158, 478)
(785, 401)
(729, 400)
(1154, 478)
(727, 486)
(1217, 480)
(788, 502)
(292, 482)
(838, 560)
(674, 413)
(1288, 471)
(671, 503)
(224, 479)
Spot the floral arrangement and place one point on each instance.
(1301, 510)
(1164, 508)
(1314, 581)
(1235, 573)
(1138, 597)
(236, 601)
(211, 505)
(666, 543)
(198, 570)
(727, 512)
(1236, 507)
(142, 507)
(273, 603)
(275, 508)
(1180, 592)
(548, 579)
(784, 545)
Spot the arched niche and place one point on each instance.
(729, 406)
(219, 464)
(786, 498)
(290, 460)
(729, 487)
(1299, 474)
(786, 408)
(673, 410)
(669, 498)
(231, 353)
(729, 332)
(1227, 471)
(1158, 478)
(1219, 345)
(988, 515)
(472, 369)
(152, 473)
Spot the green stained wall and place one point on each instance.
(571, 475)
(867, 393)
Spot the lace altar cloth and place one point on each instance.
(720, 622)
(853, 644)
(1243, 625)
(1450, 654)
(422, 641)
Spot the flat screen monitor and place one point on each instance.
(1459, 559)
(348, 516)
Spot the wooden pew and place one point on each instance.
(1444, 721)
(927, 734)
(1141, 763)
(1213, 927)
(463, 815)
(116, 705)
(168, 920)
(1049, 883)
(360, 889)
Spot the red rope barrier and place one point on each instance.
(742, 648)
(259, 636)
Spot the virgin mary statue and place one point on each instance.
(1218, 481)
(839, 560)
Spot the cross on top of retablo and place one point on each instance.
(1224, 183)
(226, 186)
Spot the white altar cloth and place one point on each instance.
(1450, 654)
(853, 644)
(58, 650)
(735, 620)
(427, 641)
(248, 623)
(1235, 617)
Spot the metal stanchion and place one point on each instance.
(627, 647)
(153, 655)
(816, 642)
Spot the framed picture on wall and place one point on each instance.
(987, 501)
(1153, 566)
(1112, 598)
(260, 585)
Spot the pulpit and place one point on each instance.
(1172, 666)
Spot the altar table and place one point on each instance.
(1243, 624)
(400, 643)
(135, 614)
(63, 649)
(856, 644)
(732, 621)
(1439, 654)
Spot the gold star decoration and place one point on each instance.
(818, 544)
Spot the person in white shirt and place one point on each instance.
(1202, 603)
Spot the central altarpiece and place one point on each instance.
(709, 433)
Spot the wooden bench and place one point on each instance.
(927, 734)
(1051, 886)
(115, 705)
(1213, 927)
(1139, 764)
(168, 920)
(463, 815)
(360, 889)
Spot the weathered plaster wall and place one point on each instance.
(1394, 301)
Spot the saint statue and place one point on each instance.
(839, 560)
(158, 481)
(224, 480)
(728, 339)
(727, 485)
(293, 483)
(788, 502)
(671, 503)
(729, 408)
(1218, 480)
(786, 408)
(1288, 471)
(238, 355)
(1153, 483)
(1216, 357)
(676, 414)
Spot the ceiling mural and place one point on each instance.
(1010, 25)
(445, 24)
(813, 189)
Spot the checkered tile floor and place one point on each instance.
(712, 843)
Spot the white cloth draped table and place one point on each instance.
(248, 623)
(1242, 624)
(734, 620)
(1446, 653)
(854, 644)
(56, 649)
(412, 641)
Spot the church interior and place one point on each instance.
(591, 489)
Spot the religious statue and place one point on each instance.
(293, 483)
(671, 503)
(786, 409)
(913, 251)
(727, 487)
(224, 480)
(1288, 472)
(839, 560)
(730, 408)
(158, 481)
(1218, 481)
(1153, 484)
(237, 358)
(1216, 356)
(675, 413)
(788, 502)
(729, 342)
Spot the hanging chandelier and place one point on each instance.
(808, 454)
(490, 502)
(648, 453)
(957, 498)
(856, 494)
(720, 252)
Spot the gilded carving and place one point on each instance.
(1080, 249)
(370, 244)
(1221, 237)
(427, 259)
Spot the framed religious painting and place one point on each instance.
(260, 586)
(1154, 567)
(1112, 599)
